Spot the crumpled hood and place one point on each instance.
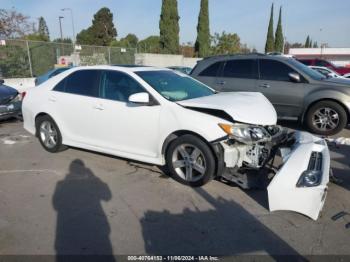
(247, 107)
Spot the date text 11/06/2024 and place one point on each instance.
(172, 258)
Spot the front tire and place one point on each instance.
(326, 118)
(49, 134)
(190, 161)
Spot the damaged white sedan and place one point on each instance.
(162, 117)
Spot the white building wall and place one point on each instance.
(339, 56)
(162, 60)
(21, 84)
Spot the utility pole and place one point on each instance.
(72, 20)
(59, 18)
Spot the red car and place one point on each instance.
(320, 62)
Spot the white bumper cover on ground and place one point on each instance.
(283, 192)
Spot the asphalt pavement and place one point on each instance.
(80, 202)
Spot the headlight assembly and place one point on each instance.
(310, 179)
(313, 175)
(246, 133)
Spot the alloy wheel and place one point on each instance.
(325, 119)
(189, 162)
(48, 134)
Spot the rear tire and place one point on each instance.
(326, 118)
(190, 161)
(49, 134)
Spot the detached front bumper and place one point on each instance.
(283, 192)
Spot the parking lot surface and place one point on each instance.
(80, 202)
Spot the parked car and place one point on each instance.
(347, 75)
(296, 91)
(326, 71)
(51, 73)
(167, 118)
(10, 102)
(183, 69)
(324, 63)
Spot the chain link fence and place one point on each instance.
(21, 58)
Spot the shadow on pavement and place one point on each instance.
(82, 227)
(227, 229)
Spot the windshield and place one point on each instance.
(307, 70)
(175, 86)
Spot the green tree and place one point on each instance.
(130, 40)
(226, 43)
(279, 41)
(270, 41)
(85, 37)
(307, 42)
(315, 45)
(149, 44)
(43, 30)
(36, 37)
(14, 61)
(102, 30)
(202, 45)
(169, 27)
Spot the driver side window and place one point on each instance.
(118, 86)
(274, 70)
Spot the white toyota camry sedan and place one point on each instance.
(163, 117)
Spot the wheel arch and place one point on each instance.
(215, 148)
(307, 108)
(41, 114)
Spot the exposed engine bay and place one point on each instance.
(255, 154)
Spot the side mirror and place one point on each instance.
(140, 98)
(2, 81)
(294, 77)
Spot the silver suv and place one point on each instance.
(296, 91)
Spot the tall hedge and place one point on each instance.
(169, 27)
(202, 46)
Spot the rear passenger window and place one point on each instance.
(274, 70)
(212, 70)
(245, 68)
(83, 82)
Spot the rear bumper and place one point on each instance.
(283, 192)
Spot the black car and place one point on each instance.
(10, 102)
(296, 91)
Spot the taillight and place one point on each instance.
(23, 94)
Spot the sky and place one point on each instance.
(325, 21)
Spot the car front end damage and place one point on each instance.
(11, 107)
(293, 166)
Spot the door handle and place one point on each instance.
(99, 107)
(264, 85)
(221, 83)
(52, 99)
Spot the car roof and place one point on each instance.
(127, 69)
(219, 58)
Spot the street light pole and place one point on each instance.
(59, 18)
(72, 19)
